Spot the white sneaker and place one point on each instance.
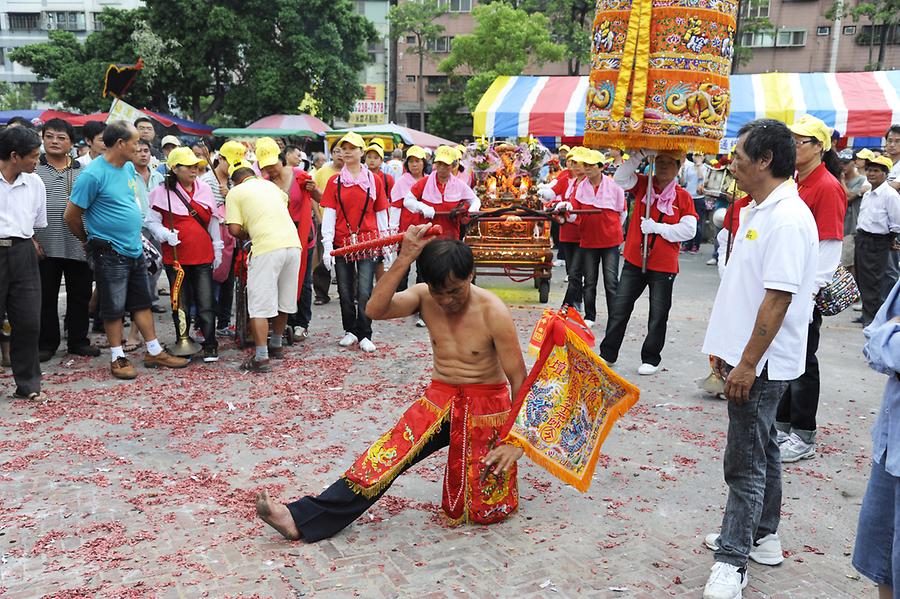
(589, 323)
(648, 369)
(566, 280)
(367, 346)
(766, 551)
(420, 323)
(725, 582)
(782, 438)
(712, 262)
(796, 449)
(610, 364)
(857, 307)
(300, 334)
(347, 340)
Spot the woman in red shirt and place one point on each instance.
(817, 163)
(374, 158)
(402, 218)
(672, 220)
(354, 208)
(184, 215)
(600, 236)
(559, 194)
(301, 191)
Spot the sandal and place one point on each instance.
(34, 396)
(130, 346)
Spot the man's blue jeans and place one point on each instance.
(355, 281)
(752, 466)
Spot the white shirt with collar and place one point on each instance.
(776, 247)
(23, 206)
(879, 211)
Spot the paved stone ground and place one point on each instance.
(144, 488)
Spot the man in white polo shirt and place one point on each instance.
(757, 334)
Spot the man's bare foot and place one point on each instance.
(277, 516)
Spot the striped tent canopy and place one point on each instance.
(858, 105)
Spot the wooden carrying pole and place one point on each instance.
(648, 198)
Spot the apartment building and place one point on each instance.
(804, 40)
(24, 22)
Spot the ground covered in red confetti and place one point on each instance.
(145, 488)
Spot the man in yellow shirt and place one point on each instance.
(321, 276)
(257, 210)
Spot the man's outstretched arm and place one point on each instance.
(385, 303)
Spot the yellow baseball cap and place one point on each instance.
(232, 151)
(374, 147)
(353, 138)
(237, 166)
(564, 147)
(376, 141)
(865, 154)
(183, 156)
(882, 161)
(576, 154)
(445, 154)
(267, 152)
(809, 126)
(591, 156)
(416, 152)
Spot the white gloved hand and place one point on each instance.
(218, 245)
(427, 212)
(217, 259)
(390, 254)
(547, 193)
(172, 237)
(562, 207)
(649, 226)
(327, 258)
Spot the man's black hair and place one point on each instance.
(60, 126)
(767, 138)
(443, 257)
(142, 119)
(115, 131)
(892, 129)
(144, 142)
(92, 129)
(288, 149)
(20, 121)
(20, 140)
(242, 173)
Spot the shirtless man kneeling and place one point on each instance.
(477, 361)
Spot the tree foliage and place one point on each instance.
(418, 19)
(570, 25)
(239, 60)
(447, 117)
(884, 15)
(505, 41)
(15, 96)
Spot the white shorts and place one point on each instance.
(272, 282)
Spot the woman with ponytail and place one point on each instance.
(823, 193)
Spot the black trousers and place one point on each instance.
(197, 291)
(355, 281)
(79, 284)
(800, 401)
(223, 293)
(586, 270)
(303, 315)
(569, 252)
(337, 506)
(631, 285)
(20, 299)
(871, 260)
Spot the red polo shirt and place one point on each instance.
(386, 180)
(663, 256)
(449, 226)
(827, 201)
(196, 243)
(349, 208)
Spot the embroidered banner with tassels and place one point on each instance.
(659, 74)
(571, 400)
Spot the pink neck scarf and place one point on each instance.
(664, 199)
(454, 191)
(401, 186)
(607, 195)
(365, 180)
(161, 197)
